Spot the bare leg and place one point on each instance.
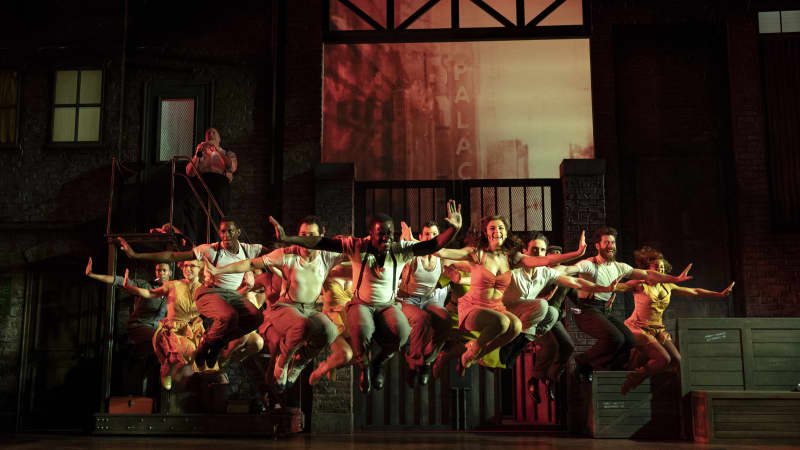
(341, 355)
(496, 329)
(675, 356)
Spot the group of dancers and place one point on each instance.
(369, 298)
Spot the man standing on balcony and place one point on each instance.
(215, 166)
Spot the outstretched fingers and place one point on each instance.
(728, 289)
(280, 234)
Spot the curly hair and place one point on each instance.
(510, 245)
(647, 255)
(598, 234)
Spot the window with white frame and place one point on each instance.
(779, 21)
(77, 105)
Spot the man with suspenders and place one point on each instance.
(377, 264)
(295, 326)
(230, 313)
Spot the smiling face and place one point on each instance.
(607, 247)
(381, 234)
(658, 266)
(496, 233)
(191, 269)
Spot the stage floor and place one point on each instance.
(394, 440)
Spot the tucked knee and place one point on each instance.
(515, 326)
(503, 323)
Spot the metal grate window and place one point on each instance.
(527, 208)
(176, 134)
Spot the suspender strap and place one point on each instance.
(394, 274)
(361, 273)
(219, 251)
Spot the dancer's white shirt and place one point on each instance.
(376, 283)
(230, 281)
(304, 278)
(527, 286)
(602, 274)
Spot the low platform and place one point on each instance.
(277, 423)
(650, 411)
(736, 415)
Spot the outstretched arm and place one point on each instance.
(586, 285)
(443, 239)
(658, 277)
(246, 265)
(107, 279)
(697, 292)
(312, 242)
(160, 257)
(536, 261)
(144, 293)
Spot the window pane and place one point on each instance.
(8, 88)
(769, 22)
(89, 124)
(66, 86)
(91, 86)
(790, 21)
(177, 128)
(8, 125)
(64, 125)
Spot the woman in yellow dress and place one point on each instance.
(336, 293)
(650, 301)
(178, 334)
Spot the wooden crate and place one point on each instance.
(735, 354)
(720, 415)
(649, 411)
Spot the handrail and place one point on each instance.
(206, 206)
(211, 198)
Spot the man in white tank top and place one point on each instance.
(422, 301)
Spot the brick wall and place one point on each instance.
(768, 273)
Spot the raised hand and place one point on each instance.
(125, 280)
(280, 234)
(125, 247)
(89, 267)
(582, 243)
(454, 214)
(211, 269)
(406, 233)
(727, 290)
(684, 275)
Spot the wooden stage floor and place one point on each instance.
(412, 440)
